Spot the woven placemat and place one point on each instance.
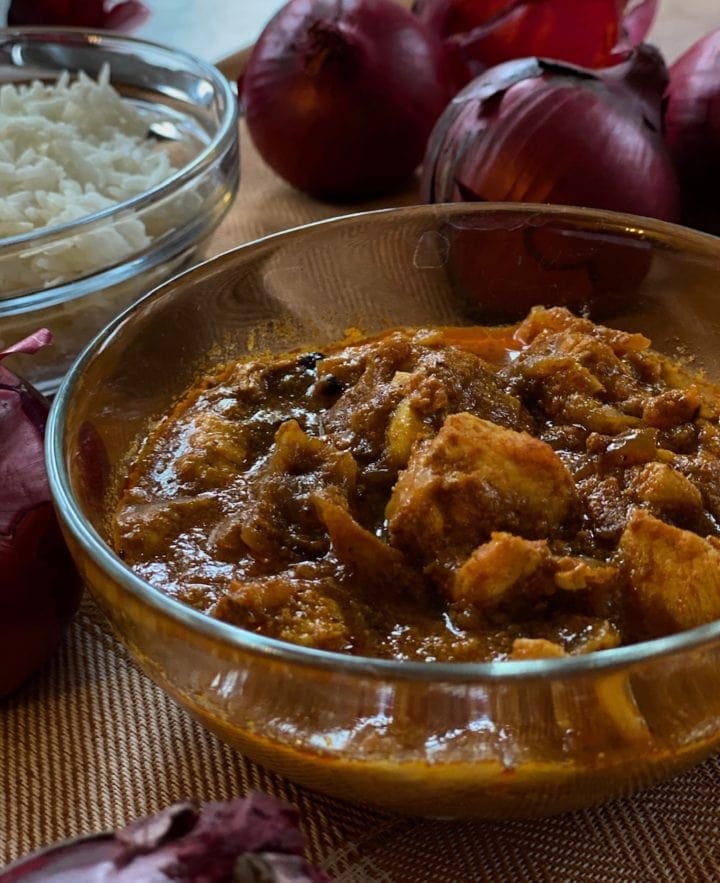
(91, 743)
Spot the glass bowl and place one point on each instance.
(192, 110)
(493, 740)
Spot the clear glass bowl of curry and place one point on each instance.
(597, 704)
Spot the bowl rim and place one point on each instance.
(390, 669)
(228, 126)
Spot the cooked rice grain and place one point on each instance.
(67, 150)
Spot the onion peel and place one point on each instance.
(250, 838)
(591, 33)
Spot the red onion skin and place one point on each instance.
(592, 33)
(341, 95)
(249, 838)
(123, 16)
(40, 589)
(541, 132)
(693, 129)
(637, 22)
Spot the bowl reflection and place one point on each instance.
(491, 740)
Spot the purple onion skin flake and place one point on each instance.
(255, 839)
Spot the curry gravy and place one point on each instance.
(439, 494)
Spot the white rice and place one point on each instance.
(66, 151)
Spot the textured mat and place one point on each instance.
(91, 743)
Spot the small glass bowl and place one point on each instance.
(492, 740)
(191, 108)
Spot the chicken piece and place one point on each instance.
(579, 373)
(536, 648)
(496, 567)
(552, 320)
(276, 518)
(667, 492)
(573, 574)
(515, 577)
(361, 552)
(215, 452)
(301, 611)
(146, 530)
(447, 382)
(405, 391)
(674, 576)
(474, 478)
(451, 381)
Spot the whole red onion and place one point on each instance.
(122, 16)
(693, 129)
(592, 33)
(340, 95)
(534, 130)
(39, 587)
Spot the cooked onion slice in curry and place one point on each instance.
(440, 494)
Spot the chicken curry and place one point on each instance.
(440, 494)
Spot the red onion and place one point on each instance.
(340, 95)
(123, 16)
(255, 838)
(39, 588)
(539, 131)
(593, 33)
(693, 129)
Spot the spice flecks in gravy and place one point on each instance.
(440, 494)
